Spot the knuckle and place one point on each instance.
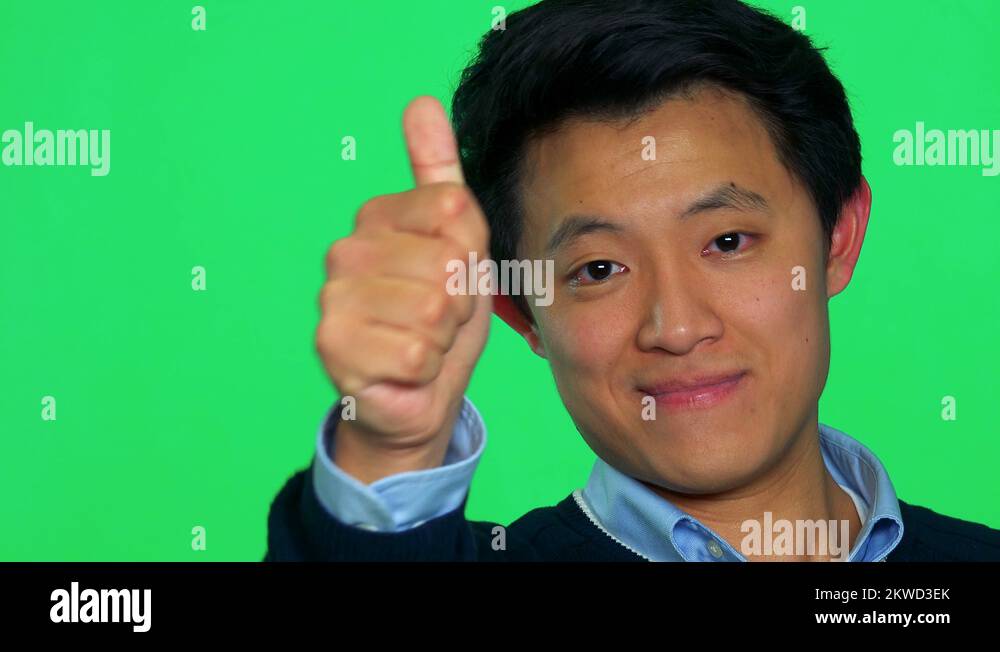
(448, 197)
(369, 211)
(416, 354)
(469, 225)
(325, 334)
(335, 254)
(350, 384)
(434, 309)
(449, 221)
(348, 254)
(323, 340)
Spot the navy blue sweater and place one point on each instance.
(300, 529)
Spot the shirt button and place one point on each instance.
(715, 549)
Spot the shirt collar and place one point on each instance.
(655, 528)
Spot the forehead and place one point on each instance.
(701, 139)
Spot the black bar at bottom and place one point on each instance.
(419, 600)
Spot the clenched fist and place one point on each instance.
(391, 335)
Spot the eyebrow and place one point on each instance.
(727, 195)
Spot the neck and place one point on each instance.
(798, 489)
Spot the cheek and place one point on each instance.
(783, 316)
(583, 346)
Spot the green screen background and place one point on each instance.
(179, 408)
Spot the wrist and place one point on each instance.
(364, 456)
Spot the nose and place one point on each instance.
(677, 312)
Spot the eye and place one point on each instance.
(596, 271)
(729, 243)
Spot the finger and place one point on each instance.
(398, 302)
(375, 353)
(396, 253)
(406, 256)
(447, 210)
(430, 143)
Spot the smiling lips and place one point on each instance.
(697, 392)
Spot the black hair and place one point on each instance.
(603, 59)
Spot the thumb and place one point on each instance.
(430, 142)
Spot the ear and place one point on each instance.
(846, 239)
(505, 308)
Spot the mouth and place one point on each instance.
(695, 393)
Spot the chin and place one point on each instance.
(693, 469)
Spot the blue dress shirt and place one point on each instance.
(624, 508)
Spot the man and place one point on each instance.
(691, 169)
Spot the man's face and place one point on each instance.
(686, 290)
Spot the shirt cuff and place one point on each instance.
(404, 500)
